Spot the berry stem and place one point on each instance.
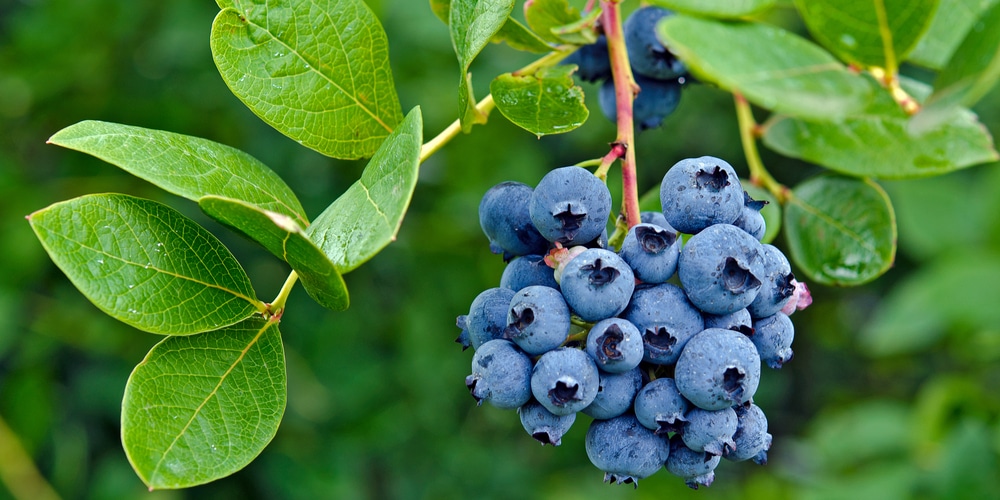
(625, 91)
(432, 146)
(759, 176)
(277, 306)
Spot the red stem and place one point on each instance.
(625, 91)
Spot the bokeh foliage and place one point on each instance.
(891, 394)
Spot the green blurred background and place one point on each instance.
(893, 392)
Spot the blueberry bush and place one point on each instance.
(863, 107)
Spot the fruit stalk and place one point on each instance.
(759, 176)
(625, 91)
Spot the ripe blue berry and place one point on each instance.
(718, 369)
(648, 55)
(538, 319)
(504, 217)
(660, 407)
(592, 61)
(697, 468)
(710, 431)
(501, 375)
(738, 321)
(487, 317)
(773, 337)
(597, 284)
(721, 269)
(751, 438)
(624, 449)
(656, 100)
(565, 380)
(527, 271)
(545, 427)
(666, 319)
(750, 219)
(656, 218)
(651, 251)
(699, 192)
(777, 285)
(615, 394)
(615, 344)
(570, 206)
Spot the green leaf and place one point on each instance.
(521, 38)
(440, 9)
(771, 67)
(145, 264)
(202, 407)
(549, 103)
(878, 142)
(317, 71)
(841, 230)
(285, 238)
(955, 293)
(950, 24)
(472, 24)
(771, 211)
(968, 76)
(725, 9)
(187, 166)
(547, 16)
(367, 216)
(871, 32)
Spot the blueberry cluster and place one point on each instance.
(660, 343)
(656, 70)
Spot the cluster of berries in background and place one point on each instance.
(660, 343)
(657, 72)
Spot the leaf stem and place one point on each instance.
(277, 306)
(625, 91)
(759, 175)
(18, 471)
(485, 106)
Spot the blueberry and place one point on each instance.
(592, 61)
(777, 284)
(718, 369)
(501, 375)
(710, 431)
(657, 218)
(697, 468)
(543, 425)
(651, 251)
(615, 344)
(773, 337)
(721, 268)
(751, 438)
(538, 319)
(565, 380)
(699, 192)
(527, 271)
(648, 55)
(660, 407)
(656, 100)
(463, 338)
(666, 319)
(750, 219)
(570, 206)
(738, 321)
(624, 449)
(597, 284)
(504, 217)
(487, 317)
(615, 394)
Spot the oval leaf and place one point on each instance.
(328, 84)
(547, 17)
(879, 142)
(518, 37)
(145, 264)
(549, 103)
(187, 166)
(367, 216)
(870, 32)
(202, 407)
(771, 67)
(285, 238)
(472, 24)
(725, 9)
(950, 24)
(971, 73)
(840, 230)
